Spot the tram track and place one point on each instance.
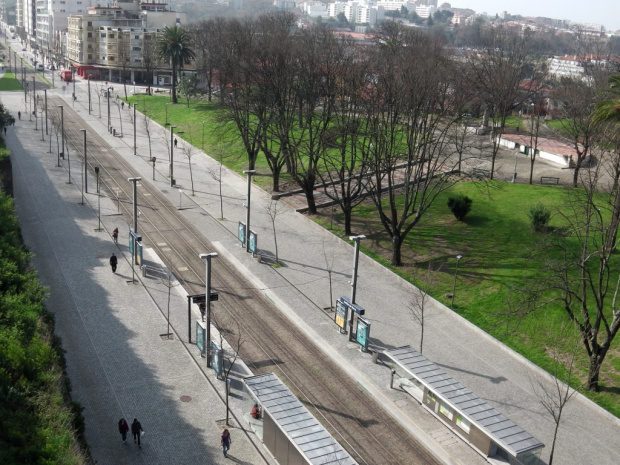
(250, 322)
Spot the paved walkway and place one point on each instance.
(118, 328)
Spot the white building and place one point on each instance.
(357, 12)
(425, 11)
(51, 19)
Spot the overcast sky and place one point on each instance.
(605, 12)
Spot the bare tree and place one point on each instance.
(147, 129)
(217, 176)
(273, 209)
(329, 266)
(496, 71)
(578, 275)
(555, 396)
(189, 151)
(167, 281)
(231, 327)
(420, 302)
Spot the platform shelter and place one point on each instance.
(290, 432)
(483, 427)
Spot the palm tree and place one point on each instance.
(175, 46)
(608, 110)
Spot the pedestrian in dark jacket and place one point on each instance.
(136, 430)
(113, 263)
(225, 441)
(115, 235)
(123, 428)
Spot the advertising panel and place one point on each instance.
(217, 359)
(363, 333)
(241, 232)
(253, 238)
(201, 336)
(340, 317)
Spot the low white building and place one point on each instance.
(357, 12)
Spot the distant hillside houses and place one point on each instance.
(573, 66)
(361, 12)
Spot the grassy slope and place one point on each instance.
(497, 244)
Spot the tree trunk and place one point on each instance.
(396, 244)
(593, 372)
(347, 220)
(174, 82)
(309, 192)
(276, 181)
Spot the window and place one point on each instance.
(462, 423)
(103, 35)
(90, 35)
(110, 58)
(90, 56)
(136, 49)
(136, 37)
(445, 411)
(90, 23)
(111, 36)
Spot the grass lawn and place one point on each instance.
(500, 253)
(10, 83)
(498, 246)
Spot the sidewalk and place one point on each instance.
(118, 363)
(301, 289)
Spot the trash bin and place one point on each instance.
(114, 132)
(143, 270)
(375, 355)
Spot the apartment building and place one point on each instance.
(117, 43)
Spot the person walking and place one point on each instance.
(19, 115)
(123, 428)
(225, 441)
(113, 263)
(175, 142)
(136, 430)
(115, 235)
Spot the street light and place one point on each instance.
(456, 269)
(135, 203)
(208, 257)
(108, 97)
(84, 172)
(171, 170)
(180, 197)
(98, 200)
(153, 160)
(247, 213)
(62, 133)
(166, 123)
(356, 255)
(203, 136)
(134, 127)
(514, 175)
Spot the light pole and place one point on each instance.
(62, 133)
(203, 136)
(456, 269)
(33, 95)
(514, 175)
(109, 122)
(135, 203)
(134, 128)
(180, 197)
(98, 200)
(171, 170)
(356, 255)
(84, 172)
(208, 257)
(89, 104)
(247, 212)
(45, 91)
(154, 159)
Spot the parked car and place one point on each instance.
(40, 67)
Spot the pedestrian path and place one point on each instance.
(119, 363)
(317, 270)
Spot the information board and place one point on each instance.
(201, 336)
(340, 317)
(241, 232)
(217, 359)
(363, 332)
(253, 238)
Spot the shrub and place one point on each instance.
(459, 206)
(539, 217)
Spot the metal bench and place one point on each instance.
(549, 180)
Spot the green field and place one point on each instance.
(8, 82)
(500, 251)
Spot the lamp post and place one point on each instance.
(180, 197)
(45, 91)
(135, 203)
(356, 255)
(62, 133)
(247, 212)
(514, 175)
(203, 136)
(456, 269)
(108, 97)
(171, 169)
(208, 257)
(33, 95)
(84, 172)
(154, 159)
(134, 128)
(98, 200)
(166, 123)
